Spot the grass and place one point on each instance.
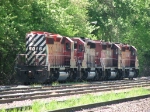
(56, 83)
(82, 82)
(85, 99)
(36, 85)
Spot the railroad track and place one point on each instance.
(95, 105)
(10, 95)
(19, 94)
(45, 92)
(87, 106)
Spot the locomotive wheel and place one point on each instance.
(26, 83)
(119, 75)
(75, 77)
(130, 78)
(55, 75)
(84, 75)
(102, 77)
(126, 73)
(107, 74)
(72, 76)
(50, 77)
(96, 78)
(136, 73)
(99, 75)
(48, 80)
(69, 77)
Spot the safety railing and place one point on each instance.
(64, 60)
(78, 60)
(35, 60)
(128, 62)
(59, 60)
(21, 59)
(91, 61)
(109, 62)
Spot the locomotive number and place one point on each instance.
(33, 48)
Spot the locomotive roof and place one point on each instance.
(78, 38)
(90, 41)
(39, 32)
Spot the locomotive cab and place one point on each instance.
(92, 54)
(129, 61)
(61, 60)
(110, 59)
(79, 56)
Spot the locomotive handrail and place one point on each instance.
(58, 55)
(109, 58)
(127, 62)
(28, 54)
(90, 60)
(129, 59)
(22, 54)
(59, 60)
(94, 61)
(102, 63)
(107, 64)
(25, 61)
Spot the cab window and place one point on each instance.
(67, 46)
(75, 45)
(80, 48)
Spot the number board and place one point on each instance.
(35, 48)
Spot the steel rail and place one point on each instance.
(13, 88)
(75, 92)
(62, 91)
(32, 89)
(57, 89)
(81, 107)
(95, 105)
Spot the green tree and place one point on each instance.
(126, 21)
(66, 17)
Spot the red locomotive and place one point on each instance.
(52, 57)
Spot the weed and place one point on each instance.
(56, 83)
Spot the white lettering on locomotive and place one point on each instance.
(35, 48)
(40, 48)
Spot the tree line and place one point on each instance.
(126, 21)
